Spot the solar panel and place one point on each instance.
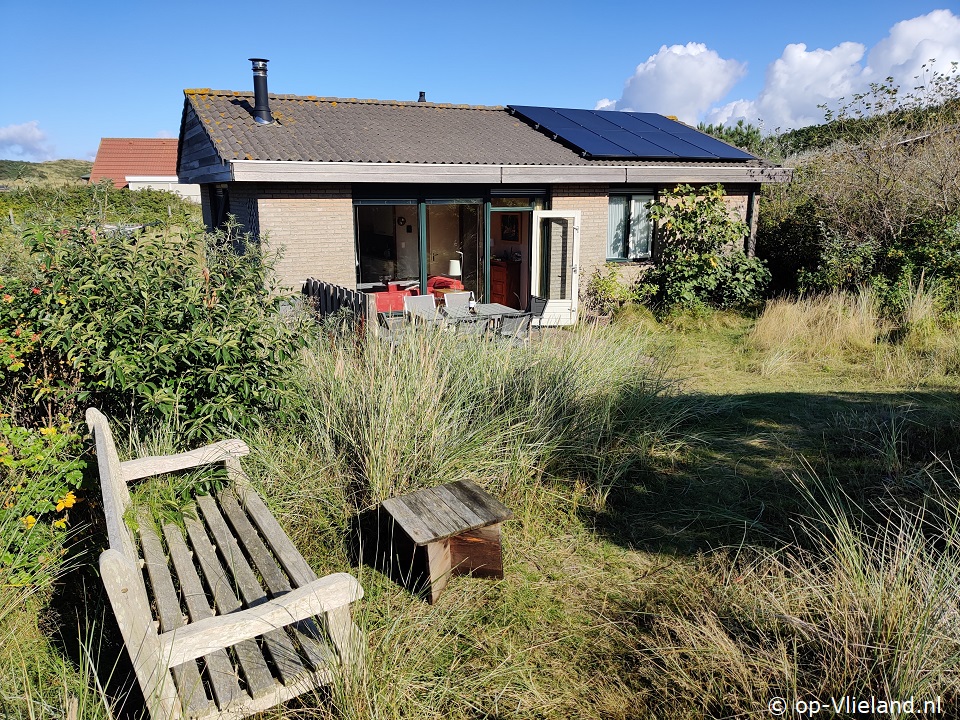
(627, 135)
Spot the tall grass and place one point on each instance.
(866, 608)
(435, 406)
(816, 326)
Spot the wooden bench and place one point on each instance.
(452, 529)
(235, 620)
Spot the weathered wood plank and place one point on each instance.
(128, 598)
(187, 676)
(479, 499)
(343, 632)
(321, 596)
(477, 552)
(219, 668)
(467, 515)
(286, 552)
(280, 647)
(439, 557)
(426, 507)
(414, 527)
(255, 669)
(306, 632)
(209, 455)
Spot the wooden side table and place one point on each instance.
(456, 526)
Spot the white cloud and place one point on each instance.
(26, 140)
(912, 43)
(689, 80)
(797, 83)
(681, 80)
(166, 134)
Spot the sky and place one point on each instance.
(75, 72)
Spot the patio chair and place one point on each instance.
(421, 308)
(478, 327)
(537, 307)
(457, 299)
(392, 326)
(515, 329)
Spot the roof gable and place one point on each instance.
(118, 158)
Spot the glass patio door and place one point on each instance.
(555, 257)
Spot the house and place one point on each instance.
(509, 201)
(139, 163)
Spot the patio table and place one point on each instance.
(490, 311)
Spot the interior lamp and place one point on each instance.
(454, 270)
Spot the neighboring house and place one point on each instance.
(512, 201)
(139, 163)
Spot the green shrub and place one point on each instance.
(100, 203)
(701, 263)
(155, 326)
(39, 474)
(606, 293)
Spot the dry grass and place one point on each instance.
(817, 326)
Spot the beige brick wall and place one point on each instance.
(592, 202)
(311, 225)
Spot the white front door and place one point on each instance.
(555, 257)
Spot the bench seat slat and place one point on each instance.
(192, 693)
(279, 645)
(307, 633)
(254, 667)
(290, 558)
(220, 671)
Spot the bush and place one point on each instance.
(701, 263)
(39, 474)
(154, 326)
(605, 293)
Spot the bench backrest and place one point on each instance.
(116, 496)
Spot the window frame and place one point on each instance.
(630, 196)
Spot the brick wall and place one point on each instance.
(310, 224)
(592, 202)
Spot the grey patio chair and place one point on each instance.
(475, 327)
(515, 329)
(422, 308)
(537, 307)
(392, 326)
(457, 299)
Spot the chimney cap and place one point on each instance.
(423, 96)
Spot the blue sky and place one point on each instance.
(76, 72)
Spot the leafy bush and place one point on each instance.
(39, 474)
(100, 203)
(154, 325)
(878, 201)
(605, 292)
(701, 263)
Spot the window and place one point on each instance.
(629, 229)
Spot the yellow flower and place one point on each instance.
(48, 431)
(29, 521)
(713, 262)
(67, 501)
(60, 524)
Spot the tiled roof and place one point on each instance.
(119, 157)
(320, 129)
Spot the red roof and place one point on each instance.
(119, 157)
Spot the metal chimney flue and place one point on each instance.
(261, 108)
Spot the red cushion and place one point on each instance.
(441, 282)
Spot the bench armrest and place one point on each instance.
(159, 464)
(215, 633)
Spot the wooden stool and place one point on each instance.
(457, 524)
